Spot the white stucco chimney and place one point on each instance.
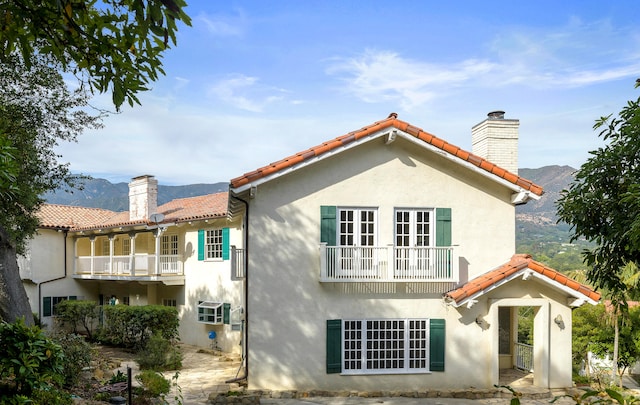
(496, 139)
(143, 197)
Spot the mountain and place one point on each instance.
(100, 193)
(553, 180)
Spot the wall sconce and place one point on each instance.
(558, 320)
(482, 323)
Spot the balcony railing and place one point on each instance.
(387, 264)
(136, 265)
(238, 268)
(524, 356)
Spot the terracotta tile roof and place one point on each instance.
(518, 263)
(391, 121)
(179, 210)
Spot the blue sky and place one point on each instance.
(252, 82)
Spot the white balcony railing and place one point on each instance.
(387, 264)
(524, 356)
(136, 265)
(237, 264)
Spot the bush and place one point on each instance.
(30, 362)
(74, 313)
(159, 354)
(153, 384)
(132, 326)
(77, 355)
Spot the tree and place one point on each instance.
(602, 204)
(37, 111)
(112, 45)
(109, 45)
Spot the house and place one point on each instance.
(186, 253)
(380, 260)
(383, 260)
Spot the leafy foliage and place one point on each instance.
(77, 355)
(76, 313)
(37, 111)
(159, 354)
(30, 363)
(153, 384)
(132, 326)
(602, 204)
(112, 45)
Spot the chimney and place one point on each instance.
(143, 197)
(496, 139)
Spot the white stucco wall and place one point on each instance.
(288, 306)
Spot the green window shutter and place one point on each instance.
(334, 346)
(200, 244)
(328, 225)
(225, 243)
(46, 306)
(443, 226)
(226, 313)
(436, 344)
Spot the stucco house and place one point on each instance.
(384, 259)
(186, 253)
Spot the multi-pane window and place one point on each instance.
(169, 245)
(169, 302)
(413, 237)
(126, 247)
(385, 345)
(357, 227)
(213, 243)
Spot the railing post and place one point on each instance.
(233, 262)
(323, 261)
(391, 263)
(92, 239)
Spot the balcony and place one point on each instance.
(138, 267)
(238, 268)
(387, 264)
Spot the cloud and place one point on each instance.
(573, 55)
(376, 76)
(223, 26)
(246, 93)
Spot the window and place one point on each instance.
(125, 300)
(413, 230)
(168, 302)
(357, 227)
(213, 244)
(169, 245)
(213, 312)
(106, 247)
(126, 247)
(385, 346)
(49, 304)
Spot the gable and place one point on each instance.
(389, 130)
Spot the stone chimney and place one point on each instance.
(143, 197)
(496, 139)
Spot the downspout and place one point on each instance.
(245, 338)
(66, 232)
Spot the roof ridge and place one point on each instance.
(391, 121)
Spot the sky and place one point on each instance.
(252, 82)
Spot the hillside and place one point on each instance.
(100, 193)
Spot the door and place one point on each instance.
(413, 228)
(356, 240)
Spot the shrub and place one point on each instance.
(132, 326)
(159, 354)
(77, 355)
(74, 313)
(153, 384)
(30, 361)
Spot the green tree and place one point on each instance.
(112, 45)
(109, 45)
(602, 204)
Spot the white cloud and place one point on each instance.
(246, 93)
(223, 26)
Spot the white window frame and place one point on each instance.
(366, 352)
(169, 302)
(213, 244)
(211, 312)
(349, 230)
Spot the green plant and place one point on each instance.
(31, 361)
(515, 395)
(118, 377)
(75, 313)
(606, 396)
(154, 384)
(132, 326)
(77, 355)
(159, 354)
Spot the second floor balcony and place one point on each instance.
(387, 264)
